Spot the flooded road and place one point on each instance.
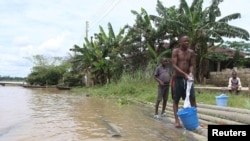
(53, 115)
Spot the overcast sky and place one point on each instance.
(52, 27)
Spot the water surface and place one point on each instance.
(53, 115)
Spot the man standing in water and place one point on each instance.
(162, 76)
(183, 60)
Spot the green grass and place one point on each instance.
(144, 89)
(238, 101)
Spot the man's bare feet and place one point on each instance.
(177, 125)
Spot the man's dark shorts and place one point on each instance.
(178, 87)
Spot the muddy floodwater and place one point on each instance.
(57, 115)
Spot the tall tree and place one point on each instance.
(144, 41)
(47, 71)
(139, 35)
(205, 28)
(101, 55)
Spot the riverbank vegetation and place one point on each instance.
(122, 64)
(143, 88)
(106, 55)
(9, 78)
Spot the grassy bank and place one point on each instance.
(144, 89)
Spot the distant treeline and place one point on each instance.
(8, 78)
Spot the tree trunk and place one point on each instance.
(218, 66)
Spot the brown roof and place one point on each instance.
(226, 51)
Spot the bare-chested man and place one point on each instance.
(183, 62)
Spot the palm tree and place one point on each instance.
(139, 35)
(167, 23)
(101, 56)
(202, 27)
(111, 48)
(143, 41)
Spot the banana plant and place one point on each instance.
(93, 55)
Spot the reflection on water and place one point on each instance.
(53, 115)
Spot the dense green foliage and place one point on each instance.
(144, 42)
(8, 78)
(106, 56)
(49, 71)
